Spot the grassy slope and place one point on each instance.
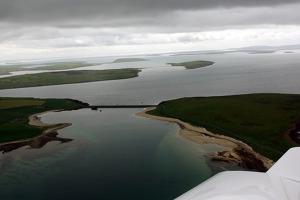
(193, 64)
(261, 120)
(9, 103)
(14, 116)
(65, 77)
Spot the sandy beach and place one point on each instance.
(35, 120)
(241, 153)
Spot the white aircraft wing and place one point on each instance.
(281, 182)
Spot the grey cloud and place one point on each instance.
(111, 12)
(90, 23)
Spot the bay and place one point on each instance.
(114, 155)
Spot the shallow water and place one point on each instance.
(114, 155)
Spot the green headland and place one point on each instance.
(66, 77)
(260, 120)
(14, 113)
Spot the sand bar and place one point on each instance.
(35, 120)
(202, 136)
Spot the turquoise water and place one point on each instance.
(114, 155)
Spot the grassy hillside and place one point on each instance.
(14, 113)
(260, 120)
(65, 77)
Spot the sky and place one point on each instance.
(35, 29)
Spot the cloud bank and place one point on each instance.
(71, 25)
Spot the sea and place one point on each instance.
(114, 154)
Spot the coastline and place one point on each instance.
(50, 134)
(35, 120)
(241, 153)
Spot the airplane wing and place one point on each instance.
(280, 182)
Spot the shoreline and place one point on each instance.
(50, 134)
(35, 120)
(293, 134)
(241, 153)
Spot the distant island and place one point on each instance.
(193, 64)
(7, 69)
(120, 60)
(269, 123)
(66, 77)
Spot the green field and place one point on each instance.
(14, 113)
(260, 120)
(9, 103)
(120, 60)
(193, 64)
(66, 77)
(5, 70)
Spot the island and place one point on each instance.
(258, 127)
(66, 77)
(7, 69)
(193, 64)
(63, 66)
(121, 60)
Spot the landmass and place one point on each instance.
(7, 69)
(241, 153)
(19, 121)
(120, 60)
(49, 135)
(66, 77)
(193, 64)
(260, 51)
(263, 121)
(63, 66)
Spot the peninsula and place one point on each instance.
(262, 121)
(19, 121)
(66, 77)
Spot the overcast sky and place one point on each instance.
(69, 28)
